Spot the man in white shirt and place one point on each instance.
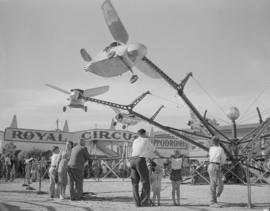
(217, 158)
(142, 149)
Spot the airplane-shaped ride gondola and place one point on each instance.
(127, 119)
(75, 95)
(119, 57)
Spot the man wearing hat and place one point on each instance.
(217, 158)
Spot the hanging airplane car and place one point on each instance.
(127, 119)
(119, 57)
(75, 95)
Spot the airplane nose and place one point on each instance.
(136, 51)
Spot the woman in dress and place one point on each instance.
(62, 169)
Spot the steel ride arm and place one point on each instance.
(149, 120)
(157, 112)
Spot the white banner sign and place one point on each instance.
(16, 134)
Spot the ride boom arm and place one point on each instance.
(180, 90)
(149, 120)
(103, 102)
(157, 112)
(115, 105)
(138, 99)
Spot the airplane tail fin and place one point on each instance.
(85, 55)
(114, 23)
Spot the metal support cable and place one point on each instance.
(163, 74)
(210, 96)
(252, 115)
(190, 133)
(166, 99)
(254, 140)
(255, 100)
(250, 134)
(220, 133)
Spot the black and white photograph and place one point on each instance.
(134, 105)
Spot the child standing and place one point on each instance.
(176, 177)
(155, 178)
(28, 166)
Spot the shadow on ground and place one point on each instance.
(9, 207)
(48, 207)
(17, 191)
(109, 198)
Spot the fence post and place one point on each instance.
(40, 179)
(248, 180)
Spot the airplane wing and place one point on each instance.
(147, 68)
(95, 91)
(110, 67)
(58, 89)
(114, 23)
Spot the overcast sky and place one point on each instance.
(224, 43)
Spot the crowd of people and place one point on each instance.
(12, 167)
(7, 167)
(34, 167)
(74, 163)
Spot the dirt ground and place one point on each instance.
(115, 194)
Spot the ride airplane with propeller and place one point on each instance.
(75, 98)
(119, 57)
(127, 119)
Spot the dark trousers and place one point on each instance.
(139, 173)
(8, 170)
(76, 183)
